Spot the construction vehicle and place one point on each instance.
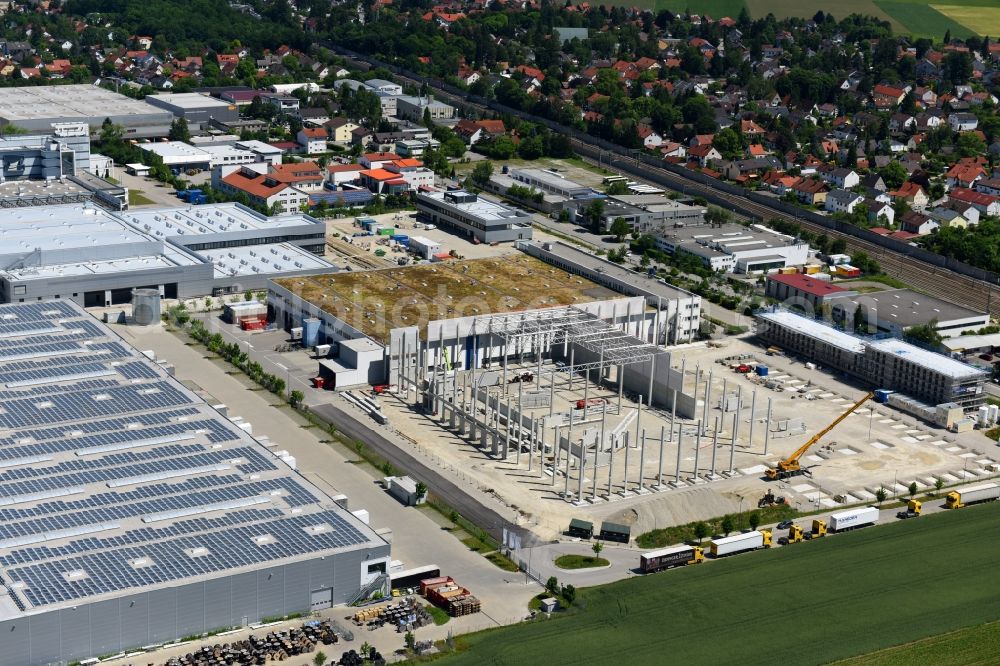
(791, 466)
(912, 510)
(818, 529)
(769, 499)
(795, 534)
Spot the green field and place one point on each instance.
(927, 18)
(810, 603)
(714, 8)
(972, 646)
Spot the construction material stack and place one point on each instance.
(444, 592)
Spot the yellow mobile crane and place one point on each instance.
(790, 466)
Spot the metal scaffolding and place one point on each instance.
(572, 326)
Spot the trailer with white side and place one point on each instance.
(425, 247)
(984, 492)
(740, 543)
(854, 518)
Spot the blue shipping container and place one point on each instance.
(882, 395)
(762, 370)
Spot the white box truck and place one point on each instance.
(984, 492)
(739, 543)
(849, 520)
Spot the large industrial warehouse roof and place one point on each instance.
(375, 302)
(928, 359)
(211, 219)
(71, 102)
(814, 329)
(115, 479)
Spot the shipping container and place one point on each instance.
(762, 370)
(580, 528)
(669, 557)
(984, 492)
(882, 395)
(738, 543)
(615, 532)
(854, 518)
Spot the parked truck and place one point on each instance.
(740, 543)
(985, 492)
(853, 519)
(674, 556)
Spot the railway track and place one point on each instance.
(355, 256)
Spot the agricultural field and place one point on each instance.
(713, 8)
(809, 603)
(925, 18)
(971, 646)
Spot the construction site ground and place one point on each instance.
(875, 447)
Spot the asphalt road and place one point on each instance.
(436, 481)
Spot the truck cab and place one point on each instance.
(698, 556)
(767, 538)
(818, 528)
(794, 534)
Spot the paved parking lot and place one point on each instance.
(416, 538)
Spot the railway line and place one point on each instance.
(970, 292)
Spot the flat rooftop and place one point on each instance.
(71, 101)
(169, 258)
(905, 307)
(728, 237)
(588, 261)
(264, 259)
(376, 302)
(208, 219)
(814, 329)
(932, 360)
(175, 149)
(115, 479)
(62, 227)
(808, 284)
(189, 101)
(483, 209)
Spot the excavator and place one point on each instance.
(790, 466)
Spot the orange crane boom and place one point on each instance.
(790, 466)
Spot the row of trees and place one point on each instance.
(233, 354)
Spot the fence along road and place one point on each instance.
(941, 276)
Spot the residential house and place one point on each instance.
(312, 140)
(361, 136)
(912, 194)
(339, 174)
(947, 217)
(811, 191)
(670, 149)
(963, 122)
(383, 181)
(965, 174)
(842, 201)
(879, 211)
(264, 190)
(873, 181)
(965, 209)
(986, 204)
(340, 130)
(917, 223)
(650, 139)
(780, 182)
(705, 154)
(888, 96)
(988, 186)
(377, 160)
(842, 177)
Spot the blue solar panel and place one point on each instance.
(106, 462)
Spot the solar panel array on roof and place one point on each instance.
(114, 477)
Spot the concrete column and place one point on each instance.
(582, 469)
(503, 351)
(732, 442)
(680, 442)
(638, 421)
(496, 425)
(652, 373)
(555, 456)
(642, 456)
(611, 467)
(443, 371)
(725, 386)
(520, 430)
(454, 399)
(655, 337)
(569, 453)
(697, 449)
(715, 442)
(753, 417)
(767, 427)
(625, 477)
(673, 414)
(708, 398)
(600, 447)
(659, 466)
